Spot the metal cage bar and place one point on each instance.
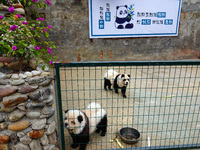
(162, 102)
(128, 63)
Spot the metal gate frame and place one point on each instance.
(56, 72)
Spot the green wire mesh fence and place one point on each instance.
(163, 102)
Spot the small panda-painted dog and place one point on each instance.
(119, 81)
(81, 124)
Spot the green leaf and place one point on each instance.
(43, 67)
(21, 51)
(29, 3)
(47, 34)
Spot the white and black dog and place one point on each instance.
(119, 81)
(81, 124)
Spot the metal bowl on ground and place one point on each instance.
(129, 135)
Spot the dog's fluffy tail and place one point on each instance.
(94, 105)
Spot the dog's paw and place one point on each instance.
(98, 131)
(124, 96)
(103, 134)
(74, 145)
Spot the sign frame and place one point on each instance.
(94, 34)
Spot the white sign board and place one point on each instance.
(133, 18)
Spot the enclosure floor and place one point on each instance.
(162, 103)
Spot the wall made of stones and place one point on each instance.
(26, 112)
(70, 22)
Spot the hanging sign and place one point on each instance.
(133, 18)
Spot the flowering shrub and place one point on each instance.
(19, 38)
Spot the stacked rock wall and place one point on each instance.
(26, 112)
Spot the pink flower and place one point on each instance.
(51, 63)
(44, 30)
(1, 17)
(35, 1)
(19, 16)
(14, 47)
(37, 47)
(24, 22)
(49, 50)
(11, 9)
(47, 2)
(49, 26)
(13, 27)
(41, 19)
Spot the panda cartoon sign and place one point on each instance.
(133, 18)
(123, 18)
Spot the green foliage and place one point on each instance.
(26, 3)
(18, 37)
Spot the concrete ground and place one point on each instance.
(163, 104)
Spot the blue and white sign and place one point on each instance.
(133, 18)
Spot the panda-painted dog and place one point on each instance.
(81, 124)
(119, 81)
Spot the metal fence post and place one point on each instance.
(59, 107)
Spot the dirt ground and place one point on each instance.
(162, 104)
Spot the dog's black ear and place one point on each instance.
(66, 111)
(129, 75)
(117, 7)
(80, 118)
(122, 75)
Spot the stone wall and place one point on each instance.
(26, 113)
(70, 22)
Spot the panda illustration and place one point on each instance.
(123, 18)
(119, 81)
(82, 123)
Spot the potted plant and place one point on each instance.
(20, 38)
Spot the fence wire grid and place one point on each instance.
(163, 102)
